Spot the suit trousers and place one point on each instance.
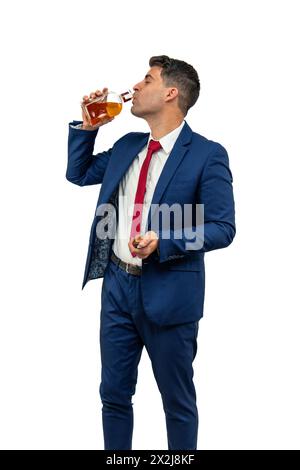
(124, 331)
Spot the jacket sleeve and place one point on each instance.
(217, 228)
(83, 167)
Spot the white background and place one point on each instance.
(247, 367)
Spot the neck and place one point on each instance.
(160, 126)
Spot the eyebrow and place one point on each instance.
(149, 76)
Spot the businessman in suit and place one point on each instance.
(153, 268)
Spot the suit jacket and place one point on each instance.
(196, 172)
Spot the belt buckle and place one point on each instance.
(126, 269)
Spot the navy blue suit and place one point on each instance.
(161, 308)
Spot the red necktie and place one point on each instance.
(153, 146)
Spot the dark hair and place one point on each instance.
(182, 75)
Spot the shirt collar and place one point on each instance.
(167, 141)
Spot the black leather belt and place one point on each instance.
(129, 268)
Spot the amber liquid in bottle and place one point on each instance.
(94, 110)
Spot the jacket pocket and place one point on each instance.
(184, 265)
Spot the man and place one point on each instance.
(153, 286)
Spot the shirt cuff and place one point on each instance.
(78, 126)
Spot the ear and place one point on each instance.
(171, 94)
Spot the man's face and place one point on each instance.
(149, 94)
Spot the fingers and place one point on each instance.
(142, 252)
(94, 94)
(144, 242)
(147, 239)
(141, 241)
(136, 240)
(133, 245)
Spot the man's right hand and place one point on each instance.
(104, 117)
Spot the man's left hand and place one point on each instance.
(146, 244)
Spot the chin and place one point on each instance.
(136, 112)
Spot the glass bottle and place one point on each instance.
(110, 103)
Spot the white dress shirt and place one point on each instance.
(127, 190)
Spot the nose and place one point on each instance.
(136, 87)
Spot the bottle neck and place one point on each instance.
(126, 96)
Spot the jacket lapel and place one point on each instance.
(123, 158)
